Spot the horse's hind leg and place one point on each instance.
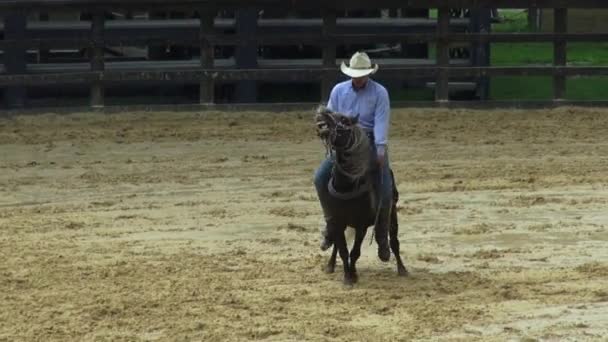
(331, 264)
(394, 242)
(355, 252)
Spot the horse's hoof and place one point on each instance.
(402, 271)
(349, 281)
(384, 251)
(329, 269)
(325, 244)
(383, 255)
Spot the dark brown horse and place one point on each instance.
(351, 194)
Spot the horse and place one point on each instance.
(351, 195)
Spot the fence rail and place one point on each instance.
(246, 32)
(299, 4)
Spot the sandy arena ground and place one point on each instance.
(204, 226)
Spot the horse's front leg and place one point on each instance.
(340, 242)
(331, 263)
(355, 252)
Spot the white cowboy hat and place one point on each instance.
(359, 66)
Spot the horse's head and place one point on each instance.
(334, 128)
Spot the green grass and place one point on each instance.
(537, 88)
(512, 21)
(588, 53)
(587, 88)
(519, 54)
(506, 54)
(518, 88)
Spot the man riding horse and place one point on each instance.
(368, 100)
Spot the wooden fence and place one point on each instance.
(246, 32)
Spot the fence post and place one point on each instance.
(329, 52)
(443, 57)
(481, 22)
(97, 60)
(246, 53)
(415, 50)
(157, 51)
(207, 85)
(15, 57)
(559, 53)
(44, 52)
(533, 19)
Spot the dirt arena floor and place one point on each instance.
(205, 227)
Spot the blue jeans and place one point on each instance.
(383, 182)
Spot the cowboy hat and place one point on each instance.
(359, 66)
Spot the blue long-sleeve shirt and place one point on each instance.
(372, 105)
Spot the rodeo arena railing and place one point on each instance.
(96, 45)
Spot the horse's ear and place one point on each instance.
(322, 109)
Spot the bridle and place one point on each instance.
(329, 128)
